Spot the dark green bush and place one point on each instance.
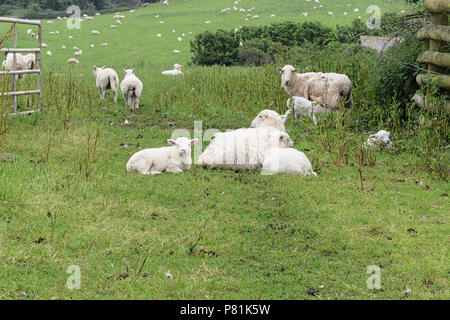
(258, 52)
(216, 48)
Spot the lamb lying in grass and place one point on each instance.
(175, 72)
(286, 160)
(131, 88)
(381, 138)
(305, 108)
(106, 78)
(173, 159)
(242, 149)
(270, 118)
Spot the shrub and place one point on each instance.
(258, 52)
(215, 48)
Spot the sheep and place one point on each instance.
(118, 22)
(106, 78)
(180, 39)
(208, 22)
(165, 2)
(330, 13)
(89, 18)
(113, 26)
(78, 53)
(176, 51)
(104, 44)
(76, 48)
(305, 14)
(44, 45)
(175, 72)
(49, 22)
(272, 16)
(345, 13)
(269, 118)
(286, 160)
(305, 108)
(31, 61)
(73, 60)
(63, 47)
(29, 32)
(159, 35)
(381, 138)
(49, 53)
(174, 159)
(324, 88)
(21, 63)
(356, 10)
(53, 33)
(255, 17)
(92, 45)
(70, 37)
(131, 88)
(95, 32)
(242, 149)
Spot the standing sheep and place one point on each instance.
(327, 89)
(131, 88)
(173, 159)
(21, 63)
(269, 118)
(242, 149)
(106, 78)
(286, 160)
(305, 108)
(381, 138)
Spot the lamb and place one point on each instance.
(95, 32)
(176, 51)
(49, 53)
(381, 138)
(44, 45)
(106, 78)
(269, 118)
(131, 88)
(305, 108)
(21, 63)
(175, 72)
(104, 44)
(286, 160)
(78, 53)
(242, 149)
(327, 89)
(175, 159)
(73, 60)
(118, 22)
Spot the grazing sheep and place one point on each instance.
(95, 32)
(356, 10)
(242, 149)
(306, 108)
(29, 32)
(175, 72)
(78, 53)
(31, 61)
(159, 35)
(381, 138)
(327, 89)
(272, 16)
(180, 39)
(269, 118)
(330, 13)
(131, 88)
(104, 44)
(305, 14)
(92, 45)
(207, 22)
(286, 160)
(118, 22)
(63, 47)
(75, 48)
(89, 18)
(44, 45)
(113, 26)
(21, 63)
(106, 78)
(52, 33)
(70, 37)
(73, 60)
(49, 53)
(176, 51)
(175, 159)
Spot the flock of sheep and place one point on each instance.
(266, 144)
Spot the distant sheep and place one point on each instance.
(242, 149)
(381, 138)
(113, 26)
(269, 118)
(174, 159)
(159, 35)
(131, 88)
(176, 51)
(106, 78)
(327, 89)
(49, 53)
(78, 53)
(95, 32)
(175, 72)
(73, 60)
(104, 44)
(286, 160)
(63, 47)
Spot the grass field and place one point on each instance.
(67, 200)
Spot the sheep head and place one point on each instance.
(288, 73)
(183, 145)
(269, 118)
(129, 72)
(284, 141)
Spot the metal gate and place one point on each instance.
(14, 73)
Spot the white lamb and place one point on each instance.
(175, 72)
(95, 32)
(131, 88)
(175, 159)
(73, 60)
(286, 160)
(242, 149)
(106, 78)
(269, 118)
(305, 108)
(381, 138)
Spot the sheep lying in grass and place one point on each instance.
(173, 159)
(381, 138)
(106, 78)
(175, 72)
(73, 60)
(95, 32)
(327, 89)
(305, 108)
(242, 149)
(269, 118)
(131, 88)
(21, 63)
(286, 160)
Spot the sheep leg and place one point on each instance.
(103, 94)
(175, 170)
(115, 96)
(136, 103)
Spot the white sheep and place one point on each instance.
(29, 32)
(327, 89)
(305, 108)
(49, 53)
(73, 60)
(175, 72)
(131, 88)
(286, 160)
(71, 37)
(381, 138)
(208, 22)
(78, 53)
(159, 35)
(21, 63)
(269, 118)
(106, 78)
(113, 26)
(242, 149)
(180, 39)
(305, 14)
(95, 32)
(104, 44)
(356, 10)
(44, 45)
(176, 51)
(89, 18)
(272, 16)
(175, 159)
(63, 47)
(118, 22)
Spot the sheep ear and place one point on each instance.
(296, 70)
(279, 70)
(95, 67)
(171, 141)
(124, 70)
(194, 140)
(134, 70)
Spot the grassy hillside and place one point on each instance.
(135, 42)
